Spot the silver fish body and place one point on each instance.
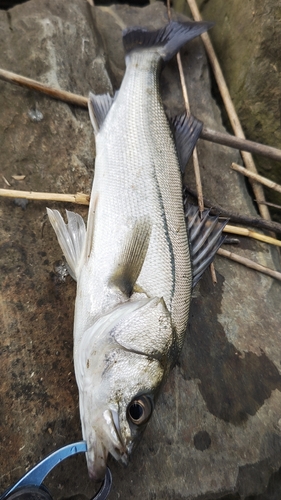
(137, 184)
(132, 265)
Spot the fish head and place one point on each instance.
(120, 365)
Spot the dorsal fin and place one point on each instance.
(131, 258)
(168, 39)
(99, 105)
(186, 129)
(205, 238)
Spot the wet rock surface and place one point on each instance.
(247, 40)
(216, 429)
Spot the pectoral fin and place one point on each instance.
(132, 257)
(71, 237)
(205, 238)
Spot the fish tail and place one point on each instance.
(168, 40)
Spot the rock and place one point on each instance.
(247, 41)
(216, 428)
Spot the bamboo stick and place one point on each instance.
(249, 263)
(256, 177)
(234, 120)
(243, 231)
(78, 198)
(242, 144)
(207, 134)
(61, 95)
(83, 199)
(196, 166)
(273, 205)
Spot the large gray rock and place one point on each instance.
(247, 40)
(216, 429)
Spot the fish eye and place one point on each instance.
(139, 410)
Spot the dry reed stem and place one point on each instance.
(234, 120)
(61, 95)
(242, 231)
(84, 199)
(249, 263)
(242, 144)
(256, 177)
(79, 198)
(196, 166)
(213, 273)
(274, 205)
(206, 134)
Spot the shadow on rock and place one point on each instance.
(233, 384)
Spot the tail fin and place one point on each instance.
(169, 39)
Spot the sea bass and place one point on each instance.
(132, 265)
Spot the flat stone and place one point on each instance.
(216, 429)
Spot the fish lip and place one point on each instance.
(119, 450)
(100, 444)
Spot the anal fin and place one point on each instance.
(205, 238)
(71, 237)
(131, 258)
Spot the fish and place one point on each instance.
(133, 263)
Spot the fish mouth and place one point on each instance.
(100, 442)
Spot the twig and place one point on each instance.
(242, 144)
(196, 166)
(206, 134)
(234, 120)
(78, 198)
(243, 231)
(61, 95)
(249, 263)
(256, 177)
(213, 273)
(234, 217)
(83, 199)
(274, 205)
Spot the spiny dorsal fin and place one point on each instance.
(205, 238)
(99, 105)
(169, 39)
(186, 129)
(132, 257)
(71, 238)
